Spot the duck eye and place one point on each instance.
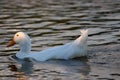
(17, 35)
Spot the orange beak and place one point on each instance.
(11, 43)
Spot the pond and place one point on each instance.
(56, 22)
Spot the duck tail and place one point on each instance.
(82, 40)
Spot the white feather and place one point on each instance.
(74, 49)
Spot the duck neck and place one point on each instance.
(25, 47)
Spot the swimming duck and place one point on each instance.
(76, 48)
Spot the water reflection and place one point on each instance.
(22, 72)
(26, 65)
(75, 67)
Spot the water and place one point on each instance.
(55, 22)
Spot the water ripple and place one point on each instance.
(55, 22)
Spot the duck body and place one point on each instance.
(77, 48)
(66, 51)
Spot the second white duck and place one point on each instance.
(77, 48)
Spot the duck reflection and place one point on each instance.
(24, 70)
(78, 67)
(73, 67)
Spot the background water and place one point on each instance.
(55, 22)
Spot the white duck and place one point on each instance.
(74, 49)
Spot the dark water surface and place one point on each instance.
(55, 22)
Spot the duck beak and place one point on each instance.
(11, 43)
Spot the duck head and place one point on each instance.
(23, 40)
